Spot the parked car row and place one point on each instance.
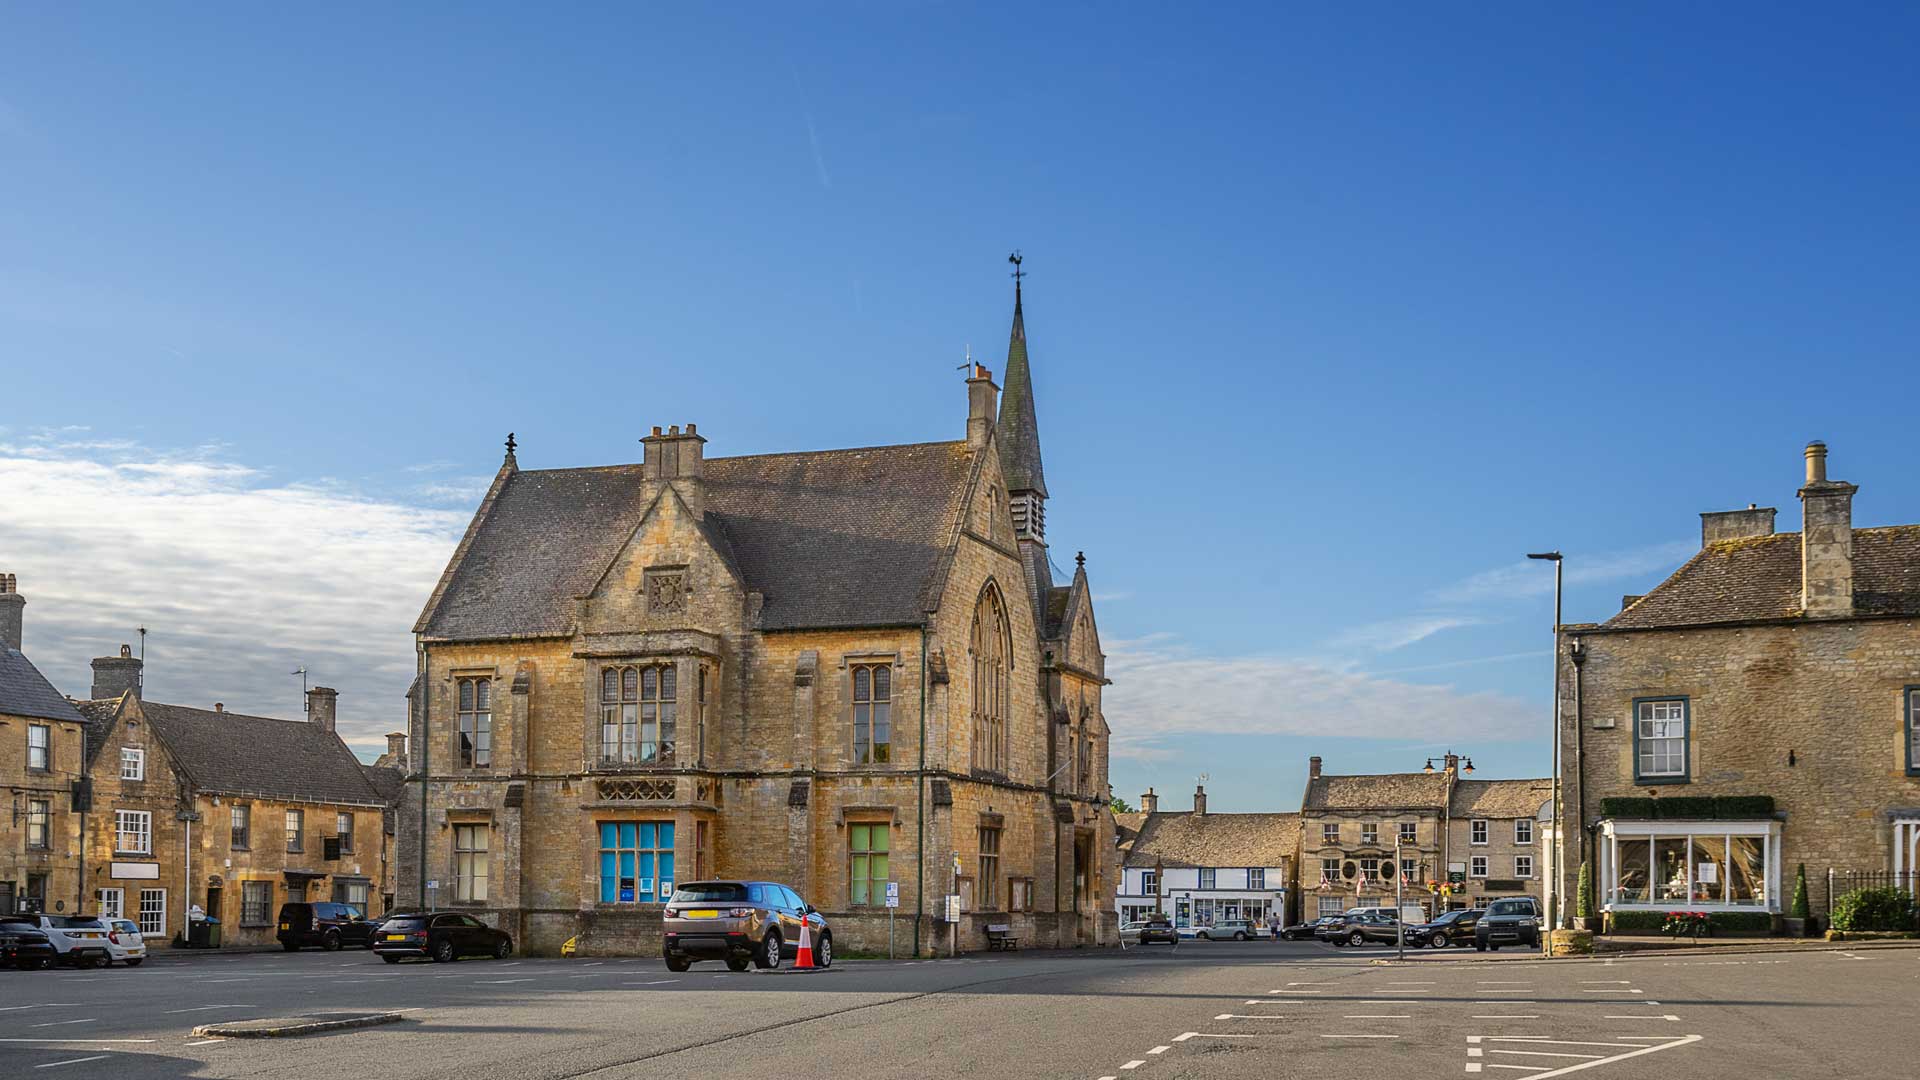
(38, 942)
(1510, 921)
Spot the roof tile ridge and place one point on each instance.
(839, 450)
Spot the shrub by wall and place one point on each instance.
(1723, 922)
(1688, 807)
(1873, 909)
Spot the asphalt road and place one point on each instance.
(1221, 1011)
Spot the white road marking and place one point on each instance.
(500, 982)
(1506, 1016)
(1403, 991)
(1549, 1053)
(59, 1023)
(1506, 991)
(1238, 1016)
(204, 1042)
(71, 1061)
(1159, 1050)
(42, 1005)
(1613, 991)
(1474, 1040)
(1503, 982)
(1359, 1036)
(89, 1042)
(656, 982)
(210, 982)
(1508, 1001)
(1296, 991)
(1376, 1016)
(1644, 1016)
(1410, 982)
(1134, 1064)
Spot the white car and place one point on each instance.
(81, 940)
(125, 942)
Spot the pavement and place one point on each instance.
(1221, 1011)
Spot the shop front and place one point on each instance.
(1690, 865)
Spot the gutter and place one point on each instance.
(920, 809)
(426, 750)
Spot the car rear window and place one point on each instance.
(712, 893)
(409, 923)
(79, 922)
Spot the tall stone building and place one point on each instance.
(837, 669)
(1754, 712)
(44, 744)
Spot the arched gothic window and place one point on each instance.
(990, 682)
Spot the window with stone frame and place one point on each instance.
(1477, 866)
(991, 681)
(240, 836)
(636, 862)
(868, 843)
(1477, 831)
(133, 832)
(1369, 832)
(39, 824)
(133, 763)
(989, 886)
(1086, 760)
(256, 902)
(1329, 870)
(1409, 870)
(1913, 730)
(296, 830)
(470, 863)
(704, 692)
(343, 830)
(1523, 866)
(1330, 832)
(1523, 830)
(39, 747)
(1369, 871)
(1408, 831)
(872, 713)
(1660, 739)
(475, 722)
(639, 714)
(1020, 894)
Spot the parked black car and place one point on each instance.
(1512, 921)
(443, 937)
(1151, 929)
(327, 925)
(1302, 931)
(1449, 928)
(26, 946)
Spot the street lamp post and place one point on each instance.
(1557, 911)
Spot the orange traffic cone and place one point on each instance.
(803, 960)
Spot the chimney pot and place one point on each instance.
(1816, 462)
(116, 675)
(691, 430)
(673, 429)
(1199, 800)
(322, 702)
(656, 429)
(397, 749)
(219, 706)
(1313, 767)
(1149, 803)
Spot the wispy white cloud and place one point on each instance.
(1390, 634)
(1525, 578)
(1111, 597)
(239, 577)
(1172, 693)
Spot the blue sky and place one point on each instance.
(1334, 316)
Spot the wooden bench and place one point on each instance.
(1000, 936)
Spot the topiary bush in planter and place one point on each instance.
(1873, 909)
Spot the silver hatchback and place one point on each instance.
(741, 923)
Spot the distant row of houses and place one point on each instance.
(165, 814)
(1444, 841)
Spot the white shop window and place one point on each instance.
(153, 912)
(1706, 865)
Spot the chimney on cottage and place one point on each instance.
(116, 675)
(983, 402)
(396, 750)
(678, 460)
(321, 702)
(1313, 767)
(12, 607)
(1199, 800)
(1736, 524)
(1826, 540)
(1149, 803)
(219, 707)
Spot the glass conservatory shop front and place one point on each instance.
(1690, 865)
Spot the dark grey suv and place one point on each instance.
(741, 922)
(1512, 921)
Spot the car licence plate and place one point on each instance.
(286, 926)
(703, 913)
(396, 937)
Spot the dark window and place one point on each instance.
(296, 830)
(1913, 730)
(715, 893)
(343, 828)
(256, 898)
(39, 813)
(39, 747)
(242, 826)
(989, 867)
(476, 723)
(872, 713)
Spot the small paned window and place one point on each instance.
(1523, 866)
(133, 763)
(872, 713)
(296, 830)
(476, 723)
(1523, 830)
(1330, 832)
(1329, 870)
(39, 747)
(867, 870)
(343, 828)
(1369, 833)
(1477, 866)
(242, 837)
(1407, 832)
(1256, 877)
(39, 817)
(639, 712)
(1207, 877)
(256, 902)
(1660, 739)
(636, 862)
(153, 912)
(133, 832)
(1477, 831)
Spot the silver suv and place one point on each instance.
(741, 922)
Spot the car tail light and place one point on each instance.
(740, 913)
(113, 936)
(673, 913)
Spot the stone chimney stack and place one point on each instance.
(678, 460)
(1826, 540)
(1149, 803)
(321, 702)
(396, 750)
(220, 707)
(983, 403)
(12, 607)
(1199, 800)
(116, 675)
(1313, 767)
(1736, 524)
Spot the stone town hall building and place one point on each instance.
(833, 668)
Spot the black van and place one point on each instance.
(327, 925)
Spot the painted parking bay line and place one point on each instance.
(1474, 1044)
(1645, 1016)
(72, 1061)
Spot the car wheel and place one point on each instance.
(504, 949)
(443, 952)
(1356, 939)
(768, 958)
(290, 946)
(331, 942)
(1439, 941)
(823, 953)
(1239, 936)
(1479, 946)
(677, 964)
(1492, 946)
(734, 963)
(391, 959)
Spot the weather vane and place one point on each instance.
(510, 442)
(1016, 259)
(969, 364)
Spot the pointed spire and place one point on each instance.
(1018, 427)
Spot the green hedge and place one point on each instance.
(1873, 909)
(1687, 807)
(1723, 922)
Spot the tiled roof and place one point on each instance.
(1759, 578)
(26, 692)
(1126, 828)
(231, 753)
(388, 782)
(100, 715)
(1380, 791)
(830, 538)
(1499, 798)
(1189, 839)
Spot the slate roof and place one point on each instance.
(1189, 839)
(1759, 578)
(26, 692)
(99, 714)
(232, 753)
(831, 538)
(387, 781)
(1379, 791)
(1018, 430)
(1499, 798)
